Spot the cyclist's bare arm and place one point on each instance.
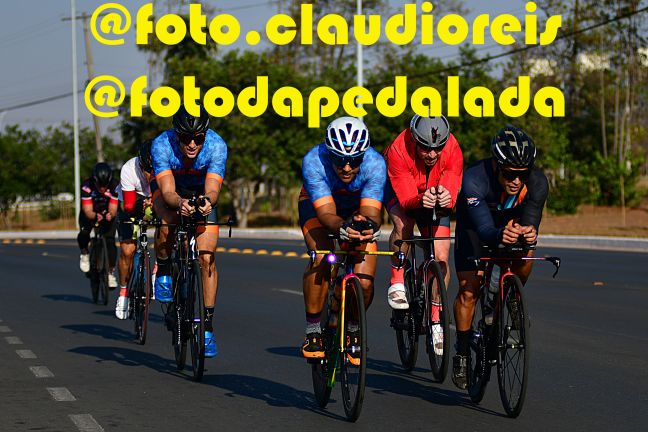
(168, 188)
(212, 190)
(112, 210)
(327, 216)
(88, 211)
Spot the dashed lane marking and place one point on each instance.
(85, 423)
(287, 291)
(41, 372)
(5, 329)
(61, 394)
(13, 340)
(26, 354)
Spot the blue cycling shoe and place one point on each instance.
(163, 292)
(210, 345)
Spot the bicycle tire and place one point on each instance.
(103, 273)
(141, 296)
(94, 274)
(323, 369)
(513, 355)
(438, 362)
(353, 377)
(195, 315)
(407, 336)
(480, 366)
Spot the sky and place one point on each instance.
(36, 48)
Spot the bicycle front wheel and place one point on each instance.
(142, 296)
(513, 358)
(479, 367)
(404, 322)
(354, 356)
(195, 313)
(323, 370)
(94, 273)
(437, 334)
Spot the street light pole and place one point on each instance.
(359, 59)
(75, 99)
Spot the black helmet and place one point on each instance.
(513, 147)
(144, 156)
(430, 132)
(185, 123)
(102, 174)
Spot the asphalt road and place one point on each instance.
(589, 361)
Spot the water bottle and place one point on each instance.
(493, 285)
(493, 289)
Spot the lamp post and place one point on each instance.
(360, 78)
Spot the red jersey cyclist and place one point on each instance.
(344, 180)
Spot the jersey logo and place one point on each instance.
(86, 189)
(472, 201)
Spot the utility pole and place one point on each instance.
(90, 66)
(360, 77)
(75, 99)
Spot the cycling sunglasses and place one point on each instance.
(426, 149)
(341, 161)
(186, 139)
(510, 175)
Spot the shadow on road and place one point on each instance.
(288, 351)
(111, 313)
(107, 332)
(127, 357)
(273, 393)
(68, 298)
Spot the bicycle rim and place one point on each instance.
(178, 338)
(321, 369)
(406, 331)
(196, 322)
(94, 274)
(479, 366)
(103, 275)
(354, 377)
(141, 297)
(513, 361)
(438, 354)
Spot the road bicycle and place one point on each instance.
(500, 334)
(140, 283)
(185, 315)
(99, 267)
(344, 333)
(429, 310)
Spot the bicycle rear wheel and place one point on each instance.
(323, 369)
(354, 361)
(195, 313)
(404, 323)
(479, 367)
(513, 358)
(437, 334)
(142, 296)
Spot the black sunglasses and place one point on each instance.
(186, 139)
(342, 161)
(426, 149)
(511, 175)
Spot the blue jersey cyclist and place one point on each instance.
(344, 179)
(500, 203)
(188, 160)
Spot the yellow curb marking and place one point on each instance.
(276, 253)
(29, 241)
(247, 251)
(18, 241)
(6, 241)
(262, 252)
(291, 254)
(305, 255)
(234, 250)
(40, 242)
(220, 249)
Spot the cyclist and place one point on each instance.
(188, 160)
(344, 179)
(135, 195)
(99, 205)
(501, 203)
(425, 165)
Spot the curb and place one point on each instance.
(548, 240)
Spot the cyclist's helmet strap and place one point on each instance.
(186, 123)
(512, 147)
(430, 132)
(102, 174)
(347, 136)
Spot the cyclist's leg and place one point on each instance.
(403, 229)
(365, 269)
(315, 278)
(207, 241)
(163, 244)
(109, 229)
(83, 239)
(127, 247)
(523, 268)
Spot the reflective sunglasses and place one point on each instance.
(511, 175)
(341, 161)
(426, 149)
(186, 139)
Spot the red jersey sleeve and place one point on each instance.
(130, 197)
(400, 175)
(453, 169)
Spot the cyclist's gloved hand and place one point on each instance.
(344, 235)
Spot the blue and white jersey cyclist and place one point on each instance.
(188, 160)
(344, 180)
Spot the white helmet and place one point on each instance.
(347, 136)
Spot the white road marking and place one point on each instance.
(5, 329)
(61, 394)
(287, 291)
(85, 423)
(41, 372)
(13, 340)
(26, 354)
